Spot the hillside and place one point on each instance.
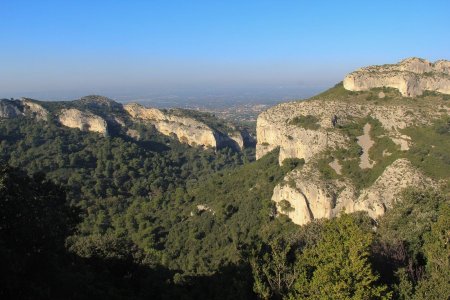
(361, 148)
(348, 199)
(107, 117)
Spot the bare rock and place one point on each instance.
(186, 129)
(10, 109)
(85, 121)
(304, 196)
(34, 110)
(411, 77)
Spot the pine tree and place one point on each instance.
(338, 267)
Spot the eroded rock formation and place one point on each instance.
(411, 77)
(10, 109)
(315, 130)
(275, 129)
(22, 108)
(305, 196)
(83, 120)
(187, 130)
(34, 110)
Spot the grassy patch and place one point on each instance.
(349, 157)
(392, 97)
(307, 122)
(430, 150)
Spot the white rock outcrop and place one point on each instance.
(22, 108)
(275, 130)
(310, 130)
(34, 110)
(309, 197)
(10, 109)
(85, 121)
(411, 77)
(238, 139)
(187, 130)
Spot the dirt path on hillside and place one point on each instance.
(365, 142)
(336, 166)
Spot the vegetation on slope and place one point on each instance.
(391, 97)
(307, 122)
(162, 220)
(429, 152)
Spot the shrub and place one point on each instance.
(285, 206)
(307, 122)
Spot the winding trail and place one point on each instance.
(366, 143)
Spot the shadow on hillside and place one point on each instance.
(147, 144)
(74, 277)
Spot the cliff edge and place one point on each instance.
(411, 77)
(353, 147)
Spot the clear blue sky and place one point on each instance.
(82, 47)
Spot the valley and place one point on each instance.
(347, 191)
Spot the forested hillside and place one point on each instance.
(87, 216)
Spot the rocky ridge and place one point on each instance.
(85, 121)
(411, 77)
(103, 115)
(22, 108)
(310, 197)
(274, 128)
(186, 130)
(315, 130)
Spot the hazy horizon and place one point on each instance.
(162, 49)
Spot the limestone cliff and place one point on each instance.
(187, 129)
(10, 109)
(237, 138)
(275, 129)
(103, 115)
(82, 120)
(339, 133)
(305, 196)
(411, 77)
(22, 108)
(34, 110)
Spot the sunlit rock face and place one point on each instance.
(305, 194)
(22, 108)
(411, 77)
(275, 129)
(83, 120)
(187, 130)
(34, 110)
(308, 197)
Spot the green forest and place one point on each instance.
(84, 216)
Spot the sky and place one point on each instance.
(65, 49)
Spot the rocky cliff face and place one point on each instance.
(83, 120)
(102, 115)
(411, 77)
(10, 109)
(187, 130)
(20, 108)
(305, 196)
(317, 130)
(275, 129)
(34, 110)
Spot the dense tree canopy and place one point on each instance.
(116, 218)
